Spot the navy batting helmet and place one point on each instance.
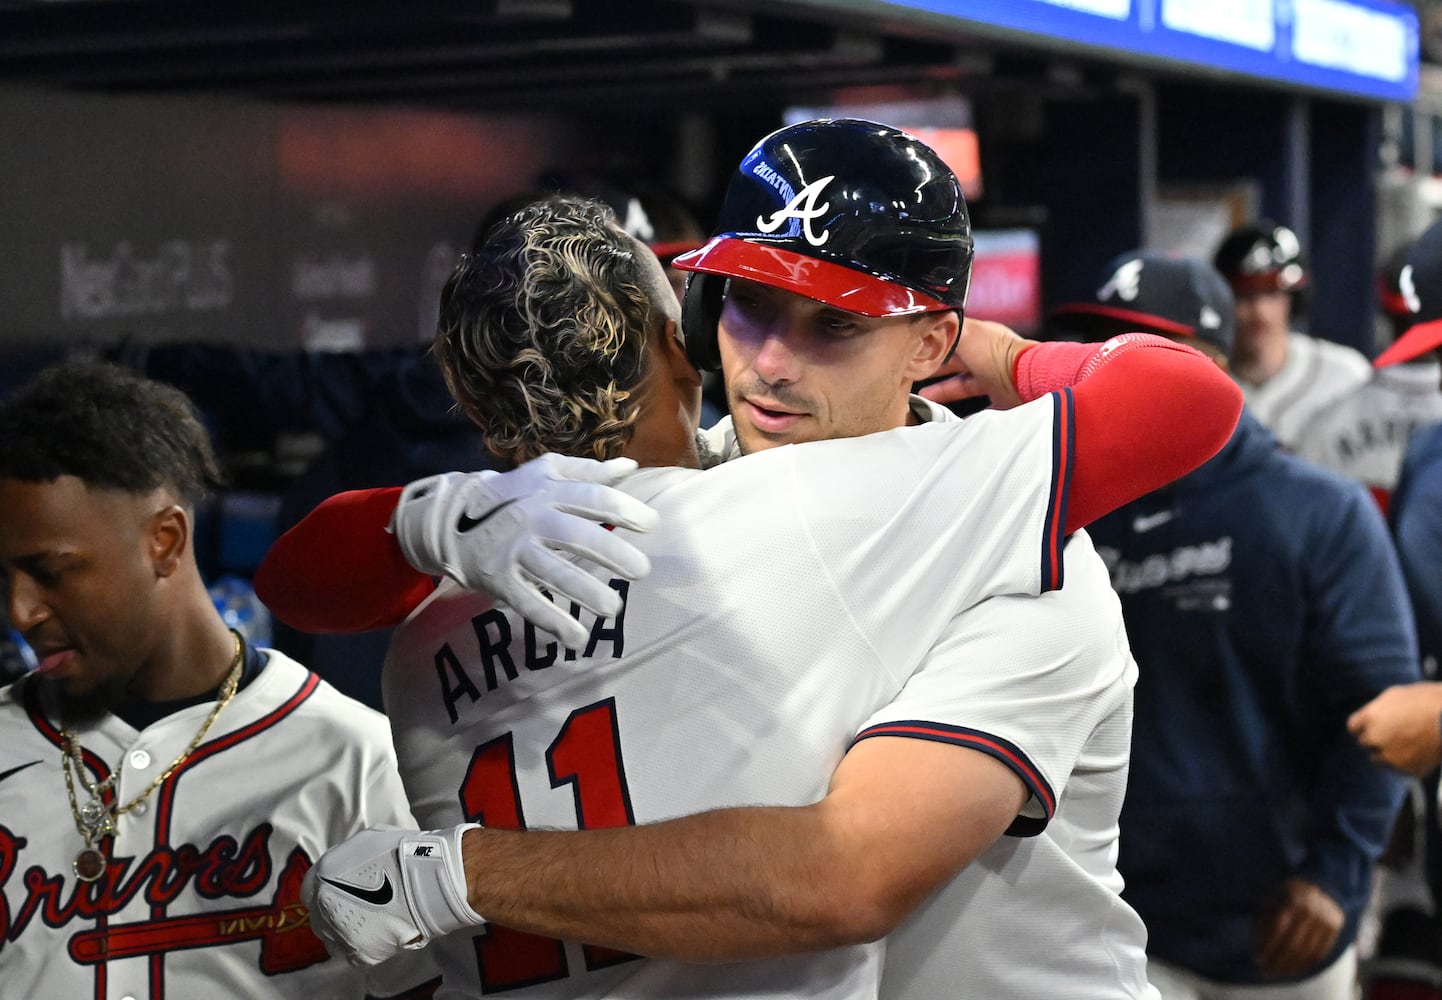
(1420, 284)
(1392, 298)
(855, 214)
(1262, 257)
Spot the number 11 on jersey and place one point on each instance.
(586, 754)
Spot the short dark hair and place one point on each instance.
(108, 427)
(543, 329)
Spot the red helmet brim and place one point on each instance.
(1416, 342)
(843, 287)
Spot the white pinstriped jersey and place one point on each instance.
(1317, 372)
(202, 897)
(793, 593)
(1364, 434)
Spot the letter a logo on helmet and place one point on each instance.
(1408, 287)
(855, 214)
(794, 210)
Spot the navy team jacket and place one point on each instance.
(1417, 527)
(1264, 603)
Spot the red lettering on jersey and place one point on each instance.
(224, 869)
(282, 926)
(9, 855)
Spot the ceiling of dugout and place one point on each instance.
(481, 54)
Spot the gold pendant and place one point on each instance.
(89, 864)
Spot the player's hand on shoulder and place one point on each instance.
(981, 365)
(508, 533)
(386, 889)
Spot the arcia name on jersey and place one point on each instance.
(465, 674)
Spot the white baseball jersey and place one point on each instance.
(792, 594)
(1036, 915)
(202, 895)
(1317, 372)
(1041, 915)
(1364, 434)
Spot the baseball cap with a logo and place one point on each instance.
(1151, 292)
(1420, 285)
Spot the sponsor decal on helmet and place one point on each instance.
(767, 173)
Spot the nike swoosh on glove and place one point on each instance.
(388, 889)
(509, 533)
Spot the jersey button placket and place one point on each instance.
(139, 760)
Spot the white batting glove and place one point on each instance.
(506, 532)
(387, 889)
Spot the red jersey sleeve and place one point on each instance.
(340, 570)
(1145, 411)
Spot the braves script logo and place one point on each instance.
(227, 869)
(802, 207)
(1166, 569)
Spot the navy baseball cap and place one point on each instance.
(1151, 292)
(1420, 285)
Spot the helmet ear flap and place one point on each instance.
(700, 314)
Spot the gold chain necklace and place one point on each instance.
(96, 819)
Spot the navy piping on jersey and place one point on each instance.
(1063, 447)
(254, 663)
(101, 771)
(994, 746)
(165, 800)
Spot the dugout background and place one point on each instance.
(260, 200)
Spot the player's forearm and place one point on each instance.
(339, 570)
(1145, 416)
(722, 886)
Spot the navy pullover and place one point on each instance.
(1264, 604)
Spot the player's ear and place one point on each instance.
(933, 334)
(168, 539)
(673, 350)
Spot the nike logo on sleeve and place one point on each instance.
(379, 896)
(16, 770)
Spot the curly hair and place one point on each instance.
(543, 328)
(109, 428)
